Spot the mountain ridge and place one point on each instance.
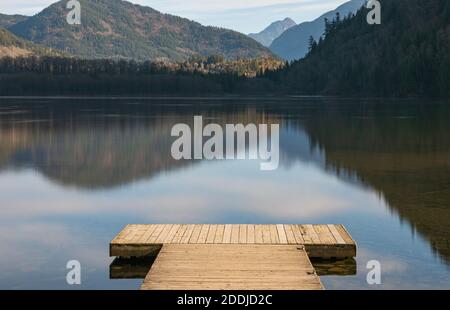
(273, 31)
(7, 21)
(293, 43)
(13, 46)
(120, 29)
(408, 54)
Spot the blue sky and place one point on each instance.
(241, 15)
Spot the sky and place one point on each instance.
(242, 15)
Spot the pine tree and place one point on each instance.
(312, 44)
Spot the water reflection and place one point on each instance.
(138, 268)
(73, 172)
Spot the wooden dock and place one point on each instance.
(320, 241)
(231, 267)
(233, 257)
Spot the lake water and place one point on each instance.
(73, 172)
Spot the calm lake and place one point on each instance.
(74, 172)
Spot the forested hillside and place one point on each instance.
(293, 43)
(12, 46)
(120, 29)
(407, 55)
(9, 20)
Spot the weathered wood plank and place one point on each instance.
(259, 234)
(219, 234)
(179, 235)
(274, 234)
(231, 267)
(311, 234)
(336, 234)
(187, 235)
(326, 241)
(242, 234)
(266, 234)
(171, 234)
(235, 234)
(195, 234)
(164, 233)
(203, 234)
(297, 234)
(147, 234)
(344, 234)
(324, 234)
(227, 234)
(251, 234)
(156, 233)
(290, 237)
(211, 234)
(282, 234)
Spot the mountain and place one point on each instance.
(120, 29)
(9, 20)
(12, 46)
(272, 32)
(408, 54)
(293, 43)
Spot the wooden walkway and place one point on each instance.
(233, 257)
(320, 241)
(231, 267)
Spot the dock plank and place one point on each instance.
(282, 234)
(235, 234)
(187, 234)
(211, 234)
(164, 233)
(251, 234)
(344, 234)
(227, 234)
(218, 239)
(310, 233)
(203, 234)
(231, 267)
(336, 234)
(325, 241)
(156, 233)
(147, 234)
(242, 234)
(259, 234)
(172, 232)
(325, 235)
(290, 237)
(297, 234)
(195, 234)
(274, 239)
(179, 235)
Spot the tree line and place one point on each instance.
(407, 55)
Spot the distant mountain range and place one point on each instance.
(272, 32)
(120, 29)
(293, 43)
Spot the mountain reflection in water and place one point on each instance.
(398, 150)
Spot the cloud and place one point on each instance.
(302, 193)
